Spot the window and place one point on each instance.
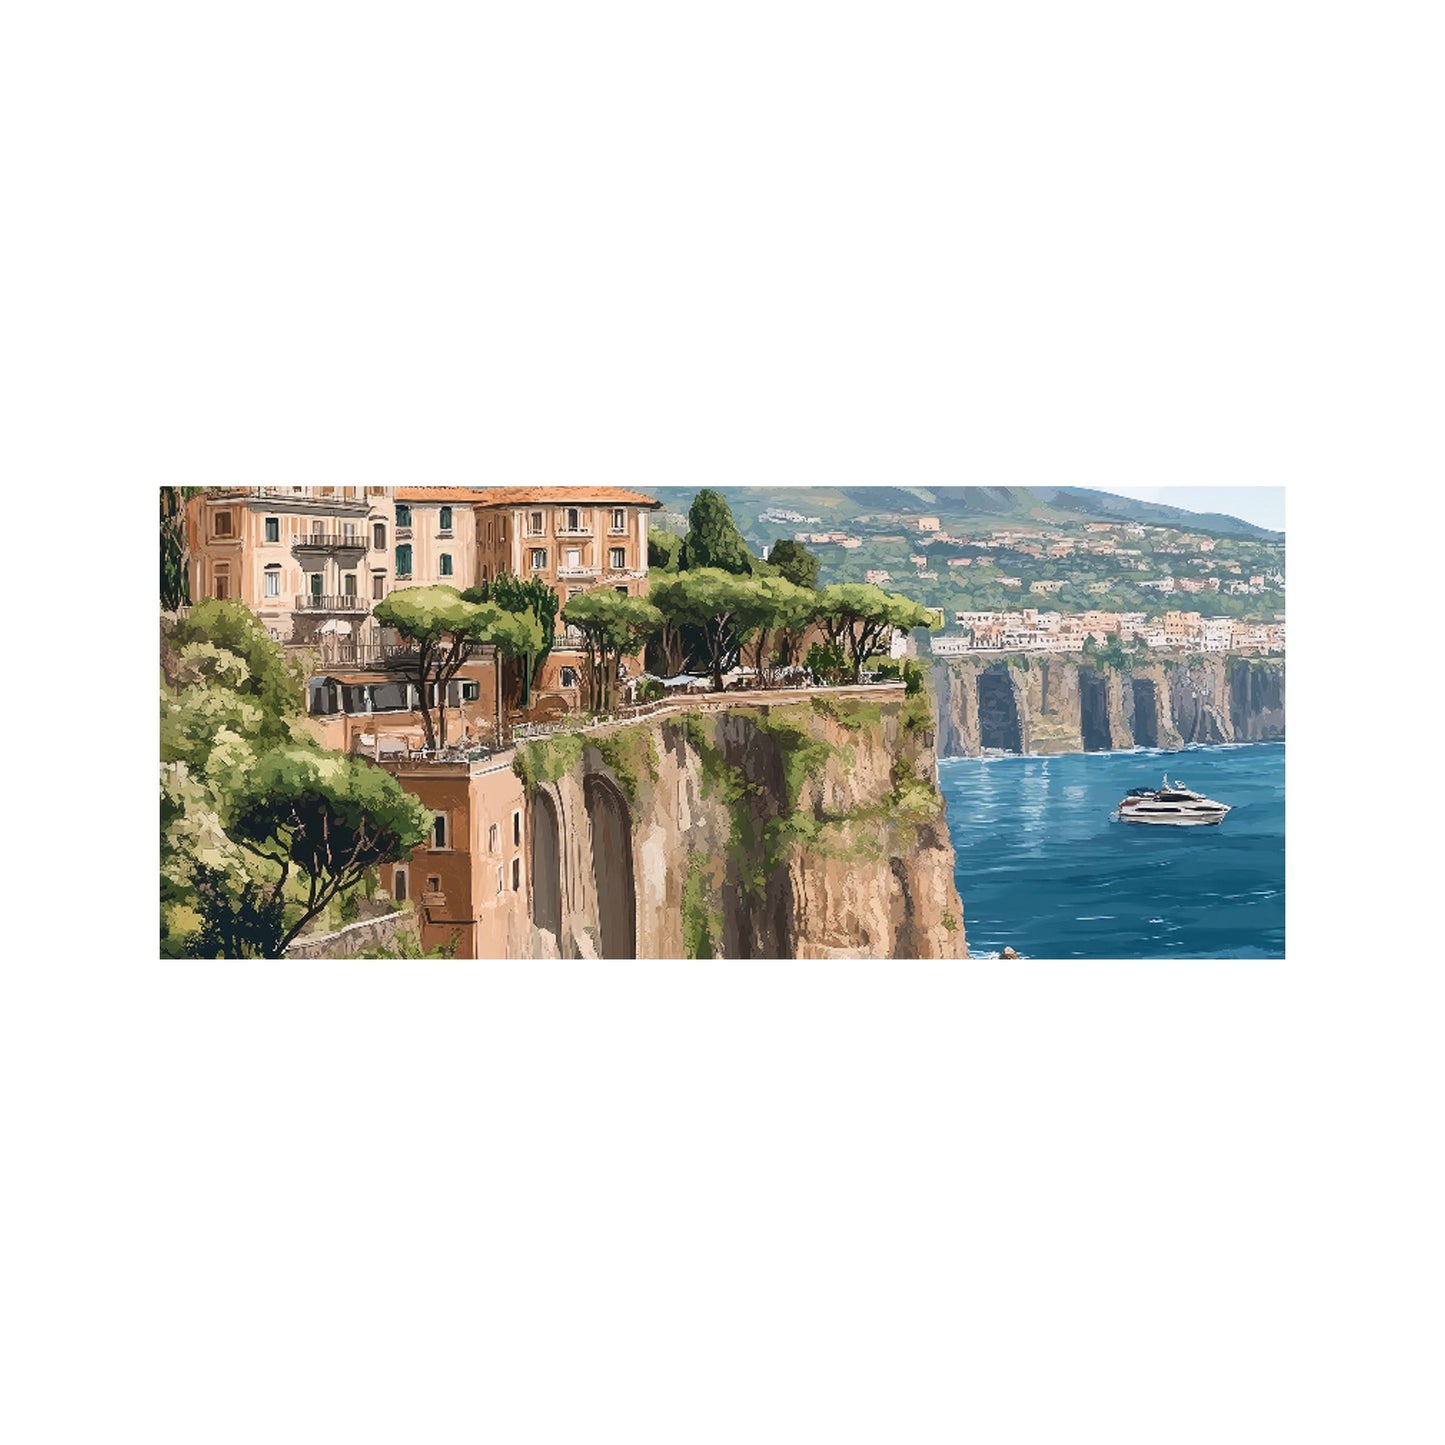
(348, 529)
(348, 585)
(619, 520)
(569, 677)
(389, 697)
(439, 830)
(493, 840)
(516, 828)
(273, 582)
(471, 691)
(574, 519)
(539, 558)
(618, 557)
(500, 884)
(378, 586)
(444, 519)
(378, 536)
(622, 590)
(446, 564)
(489, 531)
(398, 884)
(574, 556)
(502, 530)
(534, 525)
(433, 883)
(516, 875)
(223, 587)
(273, 529)
(403, 560)
(403, 515)
(223, 524)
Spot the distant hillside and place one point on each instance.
(836, 506)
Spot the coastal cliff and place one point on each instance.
(804, 830)
(1028, 703)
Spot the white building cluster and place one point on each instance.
(1030, 630)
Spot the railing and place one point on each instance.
(578, 571)
(329, 542)
(574, 531)
(311, 602)
(347, 652)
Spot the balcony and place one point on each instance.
(329, 542)
(310, 602)
(578, 571)
(574, 531)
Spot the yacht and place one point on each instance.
(1170, 803)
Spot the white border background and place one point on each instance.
(778, 244)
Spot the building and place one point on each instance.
(303, 559)
(1047, 586)
(436, 541)
(1183, 626)
(877, 576)
(1008, 581)
(574, 539)
(926, 524)
(469, 880)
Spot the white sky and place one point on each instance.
(1264, 506)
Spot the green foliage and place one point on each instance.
(702, 921)
(649, 689)
(719, 604)
(175, 554)
(795, 563)
(534, 596)
(548, 759)
(801, 753)
(407, 946)
(611, 623)
(910, 672)
(630, 752)
(260, 829)
(664, 551)
(713, 539)
(853, 713)
(859, 616)
(949, 922)
(828, 663)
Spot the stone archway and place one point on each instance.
(546, 866)
(610, 822)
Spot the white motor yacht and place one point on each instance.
(1170, 803)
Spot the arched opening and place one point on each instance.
(999, 724)
(1094, 712)
(1146, 713)
(546, 866)
(611, 827)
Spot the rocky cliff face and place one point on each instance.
(1032, 704)
(812, 830)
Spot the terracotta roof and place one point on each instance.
(516, 496)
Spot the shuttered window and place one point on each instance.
(403, 560)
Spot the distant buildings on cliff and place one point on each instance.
(1030, 630)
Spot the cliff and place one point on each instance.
(1028, 703)
(806, 830)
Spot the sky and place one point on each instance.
(1264, 506)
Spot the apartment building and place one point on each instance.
(574, 539)
(436, 539)
(303, 559)
(469, 880)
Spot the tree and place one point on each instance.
(713, 539)
(719, 604)
(795, 562)
(663, 551)
(777, 607)
(858, 617)
(533, 595)
(446, 630)
(175, 549)
(234, 743)
(611, 623)
(328, 816)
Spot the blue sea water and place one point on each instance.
(1042, 869)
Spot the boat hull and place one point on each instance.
(1174, 820)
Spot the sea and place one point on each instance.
(1042, 870)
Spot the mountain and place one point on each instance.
(837, 506)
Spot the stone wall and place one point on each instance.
(351, 941)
